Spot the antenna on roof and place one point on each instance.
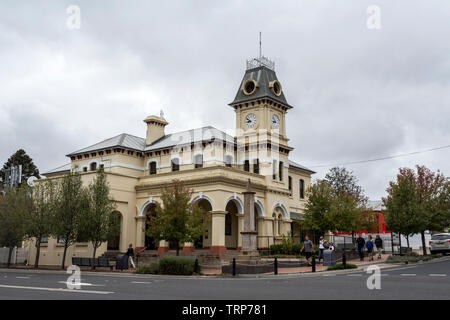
(260, 48)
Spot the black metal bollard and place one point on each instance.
(234, 266)
(275, 266)
(196, 266)
(344, 259)
(313, 263)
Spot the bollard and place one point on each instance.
(313, 263)
(196, 266)
(234, 266)
(275, 267)
(344, 259)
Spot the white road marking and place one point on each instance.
(408, 274)
(82, 284)
(141, 282)
(354, 275)
(22, 277)
(437, 275)
(55, 289)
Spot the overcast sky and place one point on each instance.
(358, 93)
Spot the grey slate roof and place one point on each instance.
(63, 168)
(122, 140)
(263, 76)
(299, 166)
(190, 136)
(136, 143)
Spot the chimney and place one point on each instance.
(155, 128)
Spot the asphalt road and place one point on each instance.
(419, 281)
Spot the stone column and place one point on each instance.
(140, 233)
(249, 235)
(240, 228)
(218, 232)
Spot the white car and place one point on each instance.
(440, 243)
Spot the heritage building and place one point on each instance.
(214, 164)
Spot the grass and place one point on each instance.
(340, 266)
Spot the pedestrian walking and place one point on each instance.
(321, 248)
(360, 243)
(379, 245)
(369, 246)
(130, 254)
(308, 249)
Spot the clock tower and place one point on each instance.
(261, 107)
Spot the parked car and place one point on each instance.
(440, 243)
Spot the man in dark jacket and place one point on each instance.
(130, 254)
(360, 242)
(379, 245)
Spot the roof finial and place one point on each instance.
(161, 114)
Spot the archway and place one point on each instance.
(150, 242)
(204, 241)
(231, 224)
(114, 240)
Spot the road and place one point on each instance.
(420, 281)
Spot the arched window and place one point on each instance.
(280, 218)
(93, 166)
(247, 165)
(302, 189)
(228, 224)
(280, 169)
(176, 164)
(274, 169)
(198, 161)
(274, 224)
(152, 167)
(228, 161)
(256, 166)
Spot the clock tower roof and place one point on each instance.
(260, 81)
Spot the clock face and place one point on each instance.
(275, 121)
(250, 120)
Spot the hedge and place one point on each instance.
(170, 265)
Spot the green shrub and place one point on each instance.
(340, 266)
(286, 248)
(177, 265)
(148, 269)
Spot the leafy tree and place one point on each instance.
(418, 201)
(72, 201)
(13, 208)
(403, 209)
(177, 220)
(434, 192)
(21, 158)
(344, 182)
(39, 219)
(350, 201)
(318, 207)
(98, 221)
